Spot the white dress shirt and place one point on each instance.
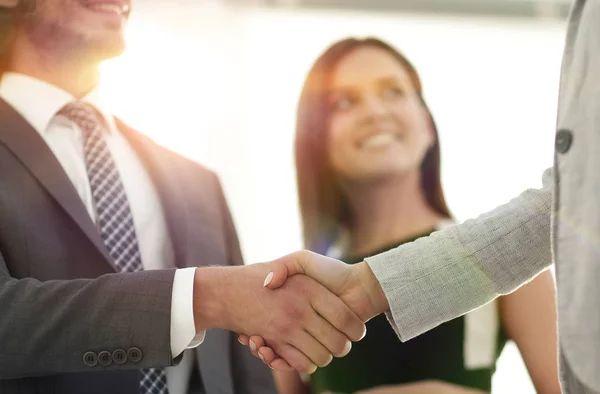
(39, 102)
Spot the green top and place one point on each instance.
(381, 359)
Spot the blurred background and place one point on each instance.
(225, 77)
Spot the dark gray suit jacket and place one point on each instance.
(60, 297)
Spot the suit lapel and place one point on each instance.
(190, 223)
(164, 177)
(193, 222)
(190, 240)
(33, 152)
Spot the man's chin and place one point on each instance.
(107, 49)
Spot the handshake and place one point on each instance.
(302, 309)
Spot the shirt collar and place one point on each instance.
(38, 101)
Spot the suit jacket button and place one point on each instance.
(135, 355)
(119, 356)
(105, 358)
(90, 359)
(564, 139)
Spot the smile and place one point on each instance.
(378, 140)
(108, 7)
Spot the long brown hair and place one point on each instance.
(323, 208)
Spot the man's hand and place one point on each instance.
(302, 321)
(356, 285)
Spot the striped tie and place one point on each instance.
(113, 214)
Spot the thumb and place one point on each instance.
(281, 269)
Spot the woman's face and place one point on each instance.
(378, 126)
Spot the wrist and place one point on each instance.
(208, 298)
(373, 291)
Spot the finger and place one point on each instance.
(279, 273)
(312, 348)
(294, 358)
(256, 343)
(244, 339)
(340, 317)
(336, 342)
(267, 355)
(280, 364)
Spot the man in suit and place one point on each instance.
(435, 279)
(101, 230)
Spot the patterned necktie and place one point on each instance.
(113, 214)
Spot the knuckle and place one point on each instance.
(286, 330)
(301, 286)
(295, 312)
(344, 318)
(282, 328)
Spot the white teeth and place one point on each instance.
(379, 140)
(117, 9)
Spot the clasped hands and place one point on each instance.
(301, 310)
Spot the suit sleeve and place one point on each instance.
(47, 327)
(451, 272)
